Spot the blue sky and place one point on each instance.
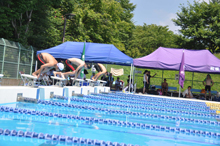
(159, 12)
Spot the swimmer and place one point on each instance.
(101, 71)
(73, 67)
(46, 63)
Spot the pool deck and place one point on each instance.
(10, 93)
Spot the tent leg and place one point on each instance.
(130, 80)
(36, 66)
(179, 90)
(133, 77)
(162, 75)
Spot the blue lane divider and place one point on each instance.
(148, 116)
(60, 138)
(109, 122)
(140, 114)
(151, 100)
(125, 112)
(205, 110)
(143, 108)
(157, 100)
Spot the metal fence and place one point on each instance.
(14, 58)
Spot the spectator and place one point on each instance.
(148, 77)
(129, 84)
(110, 80)
(93, 74)
(117, 84)
(145, 81)
(208, 83)
(187, 93)
(164, 87)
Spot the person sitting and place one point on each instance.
(187, 93)
(164, 87)
(101, 70)
(130, 84)
(93, 74)
(208, 83)
(117, 84)
(46, 62)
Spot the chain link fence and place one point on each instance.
(14, 58)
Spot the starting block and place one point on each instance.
(1, 76)
(91, 82)
(77, 81)
(29, 80)
(60, 82)
(96, 83)
(102, 83)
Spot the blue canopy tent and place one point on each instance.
(94, 52)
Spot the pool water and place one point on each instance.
(110, 119)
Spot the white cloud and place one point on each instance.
(168, 22)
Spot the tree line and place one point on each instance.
(40, 23)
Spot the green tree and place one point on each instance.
(19, 16)
(148, 38)
(200, 25)
(99, 21)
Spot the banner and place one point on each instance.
(117, 72)
(182, 71)
(83, 59)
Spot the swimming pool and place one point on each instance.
(110, 119)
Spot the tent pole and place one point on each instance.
(162, 75)
(179, 90)
(36, 66)
(133, 77)
(129, 87)
(192, 78)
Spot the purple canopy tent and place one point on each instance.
(170, 59)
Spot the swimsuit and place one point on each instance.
(40, 60)
(70, 66)
(98, 68)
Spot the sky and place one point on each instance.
(159, 12)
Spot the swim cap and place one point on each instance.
(60, 66)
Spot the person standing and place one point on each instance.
(164, 87)
(145, 80)
(117, 84)
(208, 83)
(110, 80)
(148, 77)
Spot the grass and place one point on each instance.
(169, 75)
